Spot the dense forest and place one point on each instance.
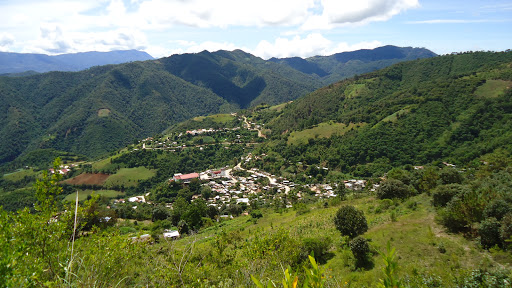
(99, 110)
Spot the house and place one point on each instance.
(173, 234)
(185, 178)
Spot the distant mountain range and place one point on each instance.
(22, 62)
(103, 108)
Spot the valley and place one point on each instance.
(419, 151)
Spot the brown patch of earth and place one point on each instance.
(88, 179)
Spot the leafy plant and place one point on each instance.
(390, 270)
(350, 221)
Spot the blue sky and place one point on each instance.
(265, 28)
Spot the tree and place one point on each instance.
(159, 213)
(360, 249)
(48, 188)
(445, 193)
(489, 231)
(393, 188)
(350, 221)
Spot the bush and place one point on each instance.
(350, 221)
(316, 246)
(498, 208)
(445, 193)
(489, 231)
(393, 188)
(256, 214)
(360, 249)
(450, 175)
(506, 230)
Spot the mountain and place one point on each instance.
(103, 108)
(22, 62)
(452, 108)
(330, 69)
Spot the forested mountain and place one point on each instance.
(23, 62)
(98, 110)
(347, 64)
(452, 108)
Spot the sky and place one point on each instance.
(265, 28)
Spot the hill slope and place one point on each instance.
(22, 62)
(339, 66)
(452, 108)
(98, 110)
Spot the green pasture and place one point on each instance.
(18, 175)
(323, 130)
(129, 177)
(493, 88)
(82, 194)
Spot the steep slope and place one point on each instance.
(104, 108)
(22, 62)
(451, 108)
(96, 111)
(240, 78)
(340, 66)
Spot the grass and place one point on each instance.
(218, 118)
(394, 117)
(82, 194)
(279, 107)
(354, 90)
(129, 177)
(323, 130)
(423, 247)
(493, 88)
(19, 175)
(103, 112)
(98, 165)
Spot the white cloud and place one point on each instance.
(6, 40)
(349, 12)
(64, 26)
(311, 45)
(54, 39)
(224, 13)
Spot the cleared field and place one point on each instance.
(393, 117)
(323, 130)
(88, 179)
(279, 107)
(354, 90)
(103, 112)
(218, 118)
(82, 194)
(129, 176)
(493, 88)
(18, 175)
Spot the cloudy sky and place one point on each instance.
(266, 28)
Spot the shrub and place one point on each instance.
(506, 230)
(317, 246)
(443, 194)
(498, 208)
(360, 249)
(256, 214)
(393, 188)
(450, 175)
(489, 231)
(350, 221)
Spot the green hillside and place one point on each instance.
(101, 109)
(451, 108)
(401, 177)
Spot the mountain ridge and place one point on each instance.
(103, 108)
(12, 63)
